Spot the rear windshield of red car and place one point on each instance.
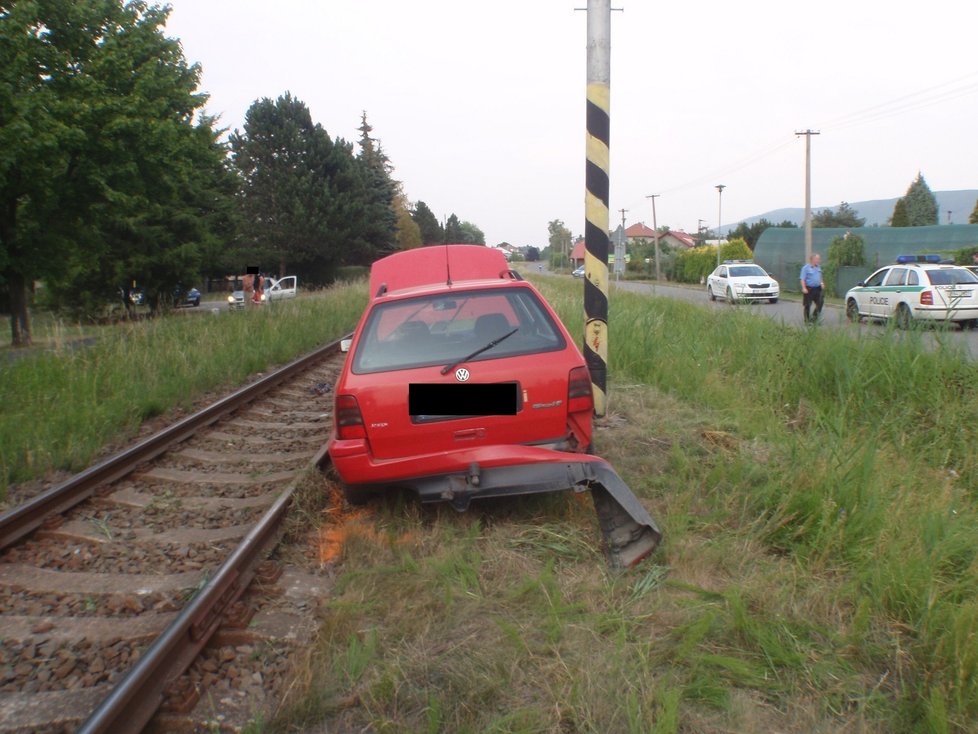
(442, 329)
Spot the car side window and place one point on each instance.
(897, 276)
(913, 278)
(876, 279)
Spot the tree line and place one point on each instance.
(113, 176)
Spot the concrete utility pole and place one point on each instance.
(719, 188)
(655, 229)
(808, 191)
(596, 197)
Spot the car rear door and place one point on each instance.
(893, 292)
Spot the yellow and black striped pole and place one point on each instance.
(596, 198)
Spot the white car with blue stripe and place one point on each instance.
(916, 288)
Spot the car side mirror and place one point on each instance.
(345, 345)
(861, 283)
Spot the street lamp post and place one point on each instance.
(655, 236)
(719, 188)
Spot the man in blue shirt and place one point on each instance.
(811, 288)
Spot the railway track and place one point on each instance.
(139, 592)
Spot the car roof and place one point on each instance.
(442, 289)
(924, 266)
(441, 265)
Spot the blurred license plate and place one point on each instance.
(959, 294)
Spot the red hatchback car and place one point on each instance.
(461, 383)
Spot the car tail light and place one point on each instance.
(579, 395)
(349, 421)
(927, 298)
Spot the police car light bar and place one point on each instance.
(902, 259)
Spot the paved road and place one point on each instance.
(790, 312)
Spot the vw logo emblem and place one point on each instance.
(461, 374)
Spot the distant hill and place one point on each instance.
(879, 211)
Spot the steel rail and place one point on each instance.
(21, 520)
(133, 702)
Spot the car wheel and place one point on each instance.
(852, 310)
(709, 293)
(773, 300)
(730, 296)
(196, 302)
(904, 319)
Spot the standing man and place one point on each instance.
(811, 287)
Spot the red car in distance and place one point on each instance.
(462, 383)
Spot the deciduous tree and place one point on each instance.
(842, 216)
(751, 233)
(844, 250)
(559, 238)
(107, 171)
(471, 234)
(408, 231)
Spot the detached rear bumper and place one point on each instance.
(630, 533)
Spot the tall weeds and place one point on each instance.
(61, 408)
(875, 476)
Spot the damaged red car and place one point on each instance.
(461, 383)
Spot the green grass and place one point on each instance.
(62, 408)
(818, 570)
(816, 488)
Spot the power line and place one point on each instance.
(946, 91)
(907, 102)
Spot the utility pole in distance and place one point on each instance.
(719, 188)
(620, 246)
(655, 230)
(808, 190)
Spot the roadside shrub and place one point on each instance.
(692, 266)
(844, 250)
(965, 256)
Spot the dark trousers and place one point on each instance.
(814, 295)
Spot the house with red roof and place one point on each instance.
(673, 238)
(577, 253)
(639, 232)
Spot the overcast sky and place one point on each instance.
(480, 106)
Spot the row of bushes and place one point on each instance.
(692, 266)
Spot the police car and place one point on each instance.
(742, 280)
(916, 287)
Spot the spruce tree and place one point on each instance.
(919, 206)
(431, 231)
(381, 192)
